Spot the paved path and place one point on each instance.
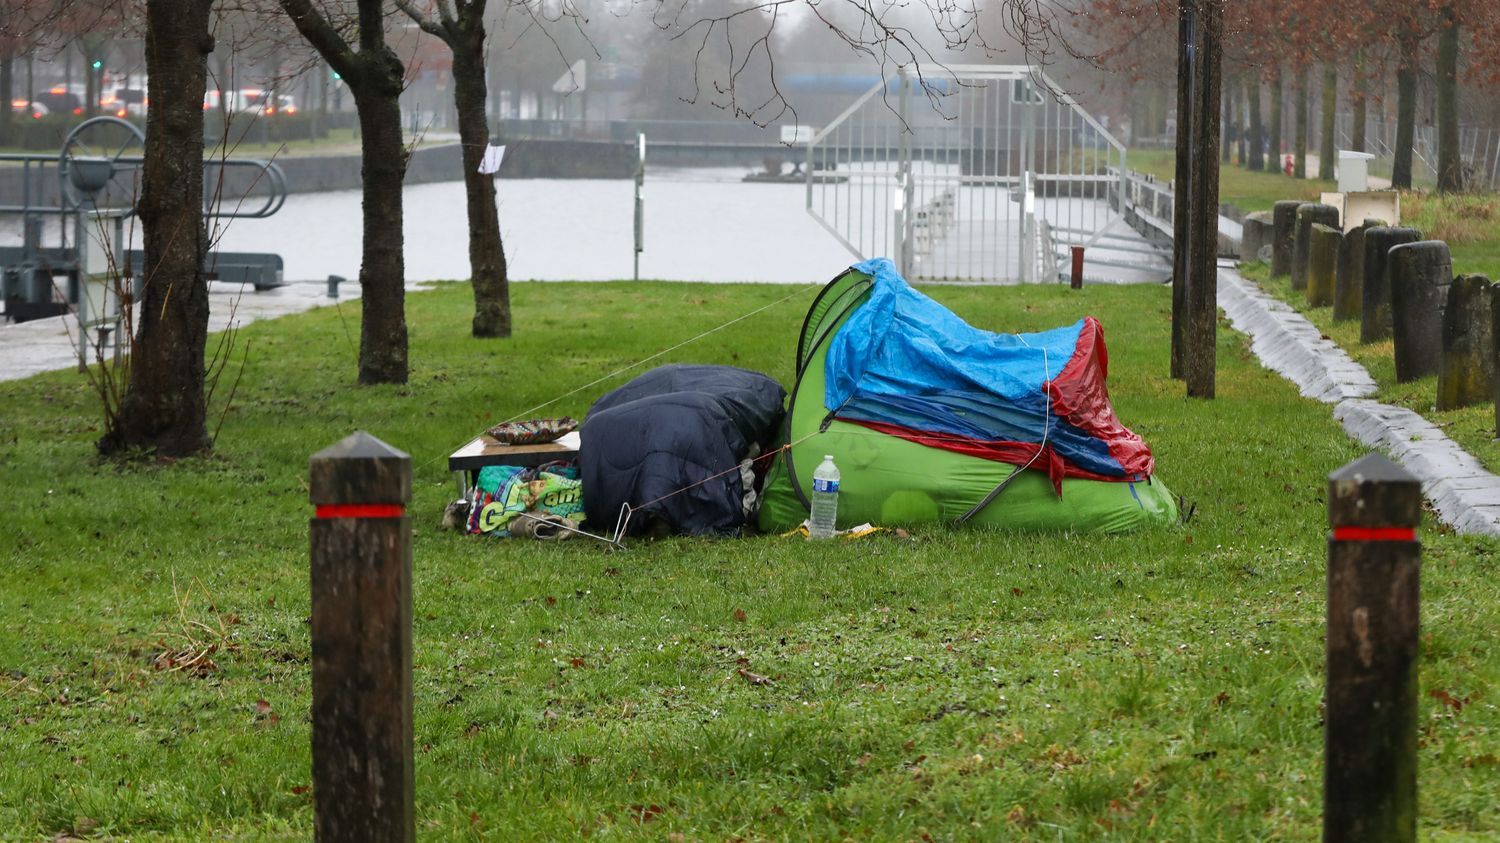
(43, 345)
(1376, 182)
(1465, 495)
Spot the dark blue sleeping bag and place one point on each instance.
(667, 430)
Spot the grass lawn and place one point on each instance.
(1473, 428)
(953, 685)
(1249, 191)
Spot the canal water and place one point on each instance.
(700, 225)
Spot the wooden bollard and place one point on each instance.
(1283, 235)
(1308, 213)
(1350, 281)
(1322, 264)
(1076, 279)
(361, 642)
(1370, 723)
(1419, 273)
(1468, 367)
(1375, 296)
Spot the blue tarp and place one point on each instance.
(903, 359)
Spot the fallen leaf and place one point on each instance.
(577, 662)
(262, 707)
(1447, 699)
(646, 813)
(550, 600)
(1221, 700)
(739, 615)
(1018, 816)
(1015, 592)
(863, 760)
(754, 678)
(300, 789)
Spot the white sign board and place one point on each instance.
(493, 155)
(797, 134)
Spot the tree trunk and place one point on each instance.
(1299, 142)
(1199, 358)
(1278, 97)
(1226, 146)
(487, 269)
(1181, 184)
(1242, 116)
(7, 93)
(1450, 161)
(163, 408)
(1360, 94)
(382, 269)
(375, 77)
(1257, 129)
(1327, 150)
(1406, 111)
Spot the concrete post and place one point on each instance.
(1322, 264)
(1468, 368)
(1375, 296)
(1307, 214)
(1420, 274)
(1283, 235)
(1256, 234)
(1349, 284)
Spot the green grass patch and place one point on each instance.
(954, 685)
(1245, 189)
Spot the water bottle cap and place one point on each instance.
(828, 456)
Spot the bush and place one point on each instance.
(48, 133)
(272, 128)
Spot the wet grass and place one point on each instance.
(1473, 428)
(1249, 191)
(954, 685)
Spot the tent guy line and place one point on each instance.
(799, 291)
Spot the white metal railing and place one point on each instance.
(953, 178)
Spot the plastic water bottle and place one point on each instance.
(825, 499)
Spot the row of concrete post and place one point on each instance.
(1400, 287)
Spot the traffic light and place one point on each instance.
(98, 64)
(336, 76)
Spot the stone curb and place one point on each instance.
(1465, 495)
(1291, 346)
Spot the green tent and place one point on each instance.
(920, 436)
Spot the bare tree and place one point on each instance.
(164, 405)
(460, 25)
(375, 76)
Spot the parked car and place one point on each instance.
(250, 99)
(126, 102)
(35, 109)
(59, 100)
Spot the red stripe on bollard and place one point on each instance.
(1374, 534)
(359, 510)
